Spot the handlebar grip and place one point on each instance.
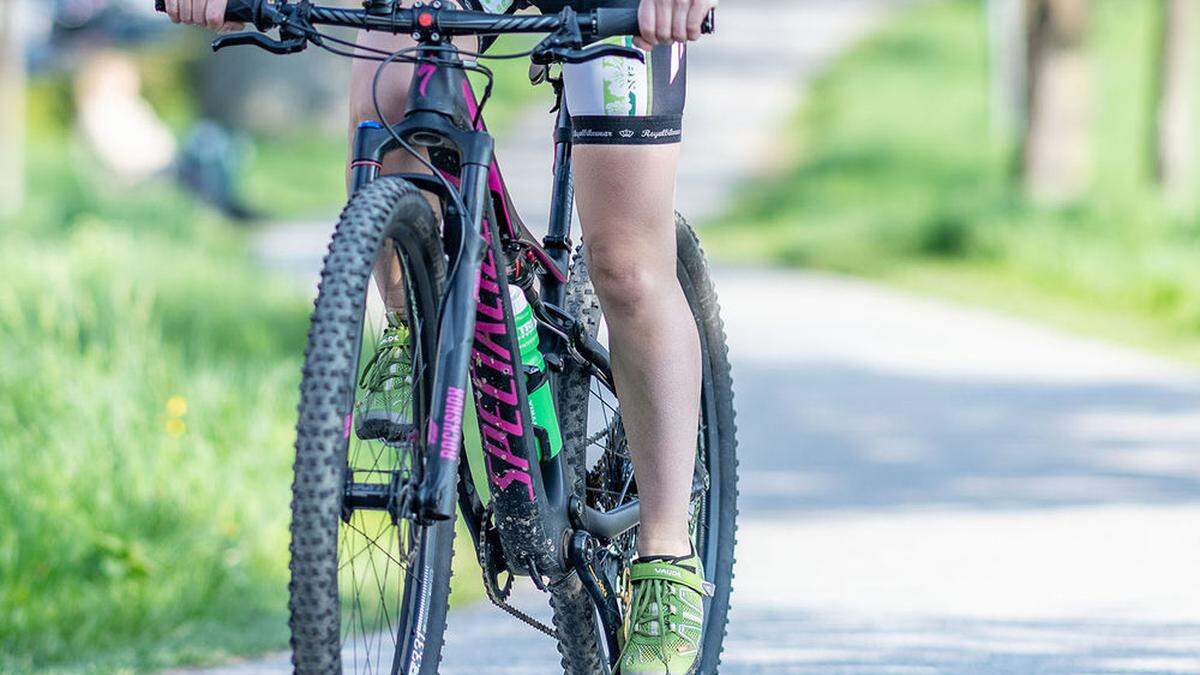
(240, 11)
(612, 21)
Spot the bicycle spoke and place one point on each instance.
(373, 542)
(611, 482)
(374, 551)
(382, 600)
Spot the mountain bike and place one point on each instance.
(502, 414)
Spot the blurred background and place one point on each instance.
(163, 210)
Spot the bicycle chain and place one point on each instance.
(493, 591)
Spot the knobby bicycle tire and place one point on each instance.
(388, 210)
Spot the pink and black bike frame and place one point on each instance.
(476, 336)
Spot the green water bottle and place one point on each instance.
(541, 400)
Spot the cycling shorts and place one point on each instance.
(620, 101)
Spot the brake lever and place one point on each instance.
(264, 42)
(566, 45)
(555, 54)
(599, 52)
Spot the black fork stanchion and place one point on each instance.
(443, 434)
(366, 162)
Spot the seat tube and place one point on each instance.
(558, 234)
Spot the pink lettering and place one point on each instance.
(452, 423)
(499, 422)
(498, 389)
(490, 361)
(497, 445)
(487, 270)
(509, 397)
(505, 479)
(495, 312)
(484, 330)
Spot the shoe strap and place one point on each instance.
(387, 342)
(662, 570)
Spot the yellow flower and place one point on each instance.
(176, 428)
(176, 406)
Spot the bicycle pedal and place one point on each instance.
(381, 425)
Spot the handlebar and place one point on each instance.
(597, 24)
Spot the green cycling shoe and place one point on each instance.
(385, 414)
(664, 626)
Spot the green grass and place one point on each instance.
(300, 175)
(148, 379)
(895, 176)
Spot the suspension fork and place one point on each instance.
(456, 336)
(366, 159)
(437, 494)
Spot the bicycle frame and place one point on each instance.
(536, 519)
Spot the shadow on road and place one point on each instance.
(854, 438)
(819, 644)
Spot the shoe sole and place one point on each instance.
(381, 425)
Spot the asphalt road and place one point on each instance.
(929, 488)
(933, 489)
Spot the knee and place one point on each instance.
(391, 103)
(393, 82)
(625, 287)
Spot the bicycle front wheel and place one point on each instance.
(369, 588)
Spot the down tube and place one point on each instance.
(508, 451)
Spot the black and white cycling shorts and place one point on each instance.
(619, 101)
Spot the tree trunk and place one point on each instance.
(1008, 63)
(12, 109)
(1055, 152)
(1175, 111)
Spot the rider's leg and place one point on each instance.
(626, 197)
(626, 127)
(393, 97)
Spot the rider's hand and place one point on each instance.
(664, 21)
(209, 13)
